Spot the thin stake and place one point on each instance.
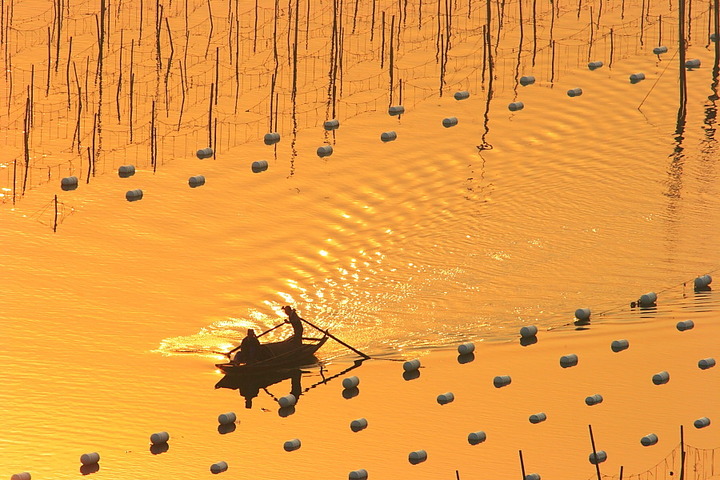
(210, 138)
(55, 223)
(592, 442)
(522, 464)
(47, 88)
(682, 435)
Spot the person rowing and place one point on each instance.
(296, 322)
(249, 348)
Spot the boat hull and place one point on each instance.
(277, 355)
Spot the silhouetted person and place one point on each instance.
(296, 322)
(249, 348)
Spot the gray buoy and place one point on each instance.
(619, 345)
(259, 166)
(659, 50)
(358, 424)
(445, 398)
(527, 80)
(462, 95)
(418, 456)
(703, 282)
(597, 457)
(90, 458)
(636, 77)
(661, 378)
(685, 325)
(466, 348)
(160, 437)
(292, 445)
(702, 422)
(528, 331)
(21, 476)
(126, 171)
(649, 439)
(204, 153)
(574, 92)
(218, 467)
(583, 314)
(388, 136)
(69, 182)
(350, 382)
(196, 181)
(706, 363)
(325, 151)
(361, 474)
(396, 110)
(532, 476)
(594, 65)
(226, 418)
(271, 138)
(537, 417)
(331, 125)
(515, 106)
(502, 381)
(449, 122)
(647, 300)
(134, 195)
(694, 63)
(287, 401)
(411, 365)
(567, 361)
(593, 399)
(713, 37)
(475, 438)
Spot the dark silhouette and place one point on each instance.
(296, 322)
(249, 348)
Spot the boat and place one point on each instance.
(276, 356)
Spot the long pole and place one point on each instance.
(592, 442)
(337, 339)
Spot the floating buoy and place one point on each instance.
(527, 80)
(694, 63)
(69, 182)
(636, 77)
(466, 348)
(126, 171)
(159, 437)
(218, 467)
(537, 417)
(659, 50)
(418, 456)
(325, 151)
(706, 363)
(361, 474)
(647, 300)
(619, 345)
(411, 365)
(567, 361)
(515, 106)
(502, 381)
(532, 476)
(475, 438)
(89, 458)
(359, 424)
(713, 37)
(701, 422)
(445, 398)
(21, 476)
(388, 136)
(449, 122)
(661, 378)
(259, 166)
(287, 401)
(351, 382)
(396, 110)
(196, 181)
(597, 457)
(593, 399)
(226, 418)
(583, 314)
(134, 195)
(574, 92)
(271, 138)
(595, 65)
(292, 445)
(462, 95)
(204, 153)
(528, 331)
(331, 125)
(649, 439)
(703, 282)
(685, 325)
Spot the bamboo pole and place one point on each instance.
(592, 442)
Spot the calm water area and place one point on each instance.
(113, 312)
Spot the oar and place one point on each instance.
(337, 339)
(266, 331)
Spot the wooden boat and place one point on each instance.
(276, 355)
